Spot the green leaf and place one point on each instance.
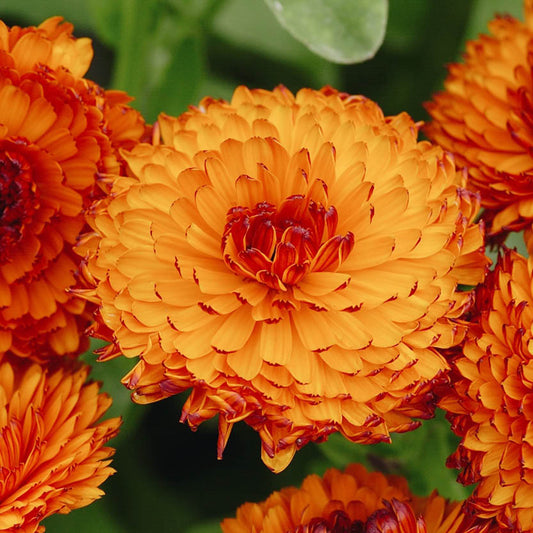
(248, 43)
(109, 374)
(182, 68)
(35, 11)
(95, 517)
(485, 10)
(212, 526)
(342, 31)
(135, 25)
(107, 18)
(419, 456)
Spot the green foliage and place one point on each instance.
(418, 455)
(343, 31)
(485, 10)
(35, 11)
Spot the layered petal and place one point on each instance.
(489, 405)
(484, 116)
(353, 501)
(60, 136)
(295, 259)
(52, 442)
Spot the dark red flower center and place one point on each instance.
(19, 200)
(279, 246)
(337, 522)
(395, 517)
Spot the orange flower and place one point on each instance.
(57, 131)
(353, 501)
(51, 44)
(293, 259)
(484, 117)
(489, 403)
(52, 452)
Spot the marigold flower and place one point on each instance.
(353, 501)
(293, 259)
(489, 404)
(57, 131)
(52, 452)
(484, 117)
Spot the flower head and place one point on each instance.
(484, 117)
(293, 259)
(489, 404)
(51, 44)
(58, 132)
(353, 501)
(51, 443)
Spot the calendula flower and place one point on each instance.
(52, 452)
(353, 501)
(293, 259)
(488, 405)
(484, 117)
(58, 132)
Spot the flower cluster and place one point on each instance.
(60, 136)
(299, 262)
(484, 118)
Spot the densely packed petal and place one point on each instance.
(58, 133)
(489, 404)
(295, 259)
(484, 116)
(353, 501)
(52, 445)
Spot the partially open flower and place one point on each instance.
(58, 132)
(353, 501)
(293, 259)
(484, 117)
(490, 404)
(52, 452)
(51, 45)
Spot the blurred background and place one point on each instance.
(168, 54)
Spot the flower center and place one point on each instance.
(18, 200)
(279, 246)
(395, 517)
(338, 522)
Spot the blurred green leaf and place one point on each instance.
(35, 11)
(212, 526)
(177, 64)
(159, 50)
(107, 18)
(95, 517)
(419, 455)
(134, 30)
(403, 16)
(516, 241)
(340, 452)
(485, 10)
(258, 31)
(246, 44)
(197, 9)
(109, 374)
(342, 31)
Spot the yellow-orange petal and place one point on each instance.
(300, 282)
(483, 116)
(488, 405)
(53, 452)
